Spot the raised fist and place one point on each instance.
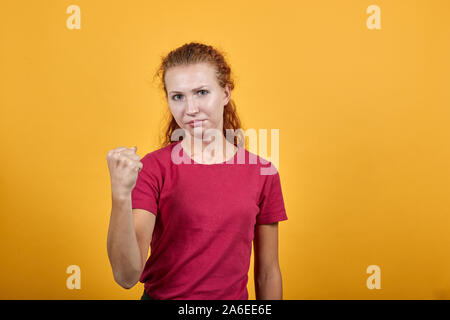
(124, 165)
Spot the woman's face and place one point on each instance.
(193, 93)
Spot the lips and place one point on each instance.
(196, 123)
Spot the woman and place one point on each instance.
(198, 207)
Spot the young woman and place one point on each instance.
(199, 208)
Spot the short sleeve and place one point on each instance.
(145, 194)
(271, 202)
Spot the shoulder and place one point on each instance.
(263, 167)
(158, 159)
(161, 153)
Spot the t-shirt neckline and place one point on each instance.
(232, 160)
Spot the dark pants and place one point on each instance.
(145, 296)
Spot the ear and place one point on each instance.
(227, 93)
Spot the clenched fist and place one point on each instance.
(124, 165)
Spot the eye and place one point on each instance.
(202, 90)
(173, 97)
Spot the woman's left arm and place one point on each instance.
(268, 284)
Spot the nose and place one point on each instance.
(191, 107)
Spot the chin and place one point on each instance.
(198, 133)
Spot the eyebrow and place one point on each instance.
(193, 90)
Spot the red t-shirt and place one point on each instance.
(205, 221)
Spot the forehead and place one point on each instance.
(183, 78)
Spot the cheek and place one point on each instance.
(219, 113)
(177, 115)
(215, 110)
(176, 111)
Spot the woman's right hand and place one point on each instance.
(124, 165)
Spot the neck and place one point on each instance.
(208, 151)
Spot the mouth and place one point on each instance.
(196, 123)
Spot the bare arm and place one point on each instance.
(130, 230)
(268, 282)
(129, 236)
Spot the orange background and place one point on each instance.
(364, 135)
